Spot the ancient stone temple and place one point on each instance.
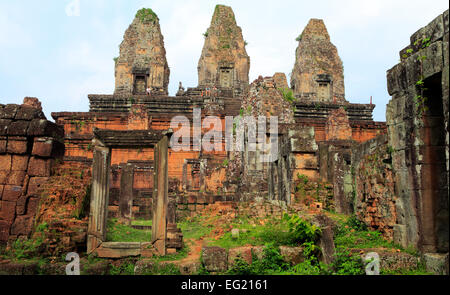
(142, 62)
(318, 73)
(393, 177)
(224, 62)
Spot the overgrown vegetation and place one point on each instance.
(147, 15)
(117, 232)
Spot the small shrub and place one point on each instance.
(301, 230)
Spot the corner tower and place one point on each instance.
(142, 62)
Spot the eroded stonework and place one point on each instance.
(224, 62)
(318, 73)
(142, 62)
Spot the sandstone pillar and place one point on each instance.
(99, 196)
(160, 196)
(126, 194)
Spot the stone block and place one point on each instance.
(40, 167)
(40, 127)
(190, 267)
(437, 263)
(7, 210)
(42, 147)
(21, 205)
(432, 64)
(434, 30)
(192, 199)
(4, 124)
(3, 176)
(32, 206)
(3, 143)
(413, 69)
(19, 163)
(17, 145)
(9, 111)
(11, 193)
(445, 20)
(292, 255)
(215, 259)
(35, 185)
(244, 253)
(201, 199)
(16, 178)
(22, 225)
(29, 113)
(396, 79)
(18, 128)
(5, 162)
(4, 230)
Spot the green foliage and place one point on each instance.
(26, 248)
(225, 163)
(226, 46)
(163, 269)
(301, 231)
(206, 34)
(310, 267)
(271, 262)
(356, 224)
(126, 268)
(117, 232)
(303, 178)
(288, 95)
(299, 38)
(116, 59)
(274, 231)
(346, 263)
(147, 15)
(245, 43)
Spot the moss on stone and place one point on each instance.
(147, 15)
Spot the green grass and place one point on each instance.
(275, 232)
(122, 233)
(194, 229)
(142, 222)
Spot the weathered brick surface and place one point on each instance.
(39, 167)
(19, 162)
(43, 147)
(12, 193)
(16, 177)
(17, 145)
(5, 162)
(7, 210)
(17, 207)
(3, 146)
(18, 128)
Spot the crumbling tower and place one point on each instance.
(318, 73)
(142, 62)
(224, 62)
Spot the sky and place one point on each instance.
(62, 50)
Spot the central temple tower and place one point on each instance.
(224, 62)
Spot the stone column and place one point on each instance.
(160, 196)
(126, 194)
(99, 195)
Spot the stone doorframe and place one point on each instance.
(103, 142)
